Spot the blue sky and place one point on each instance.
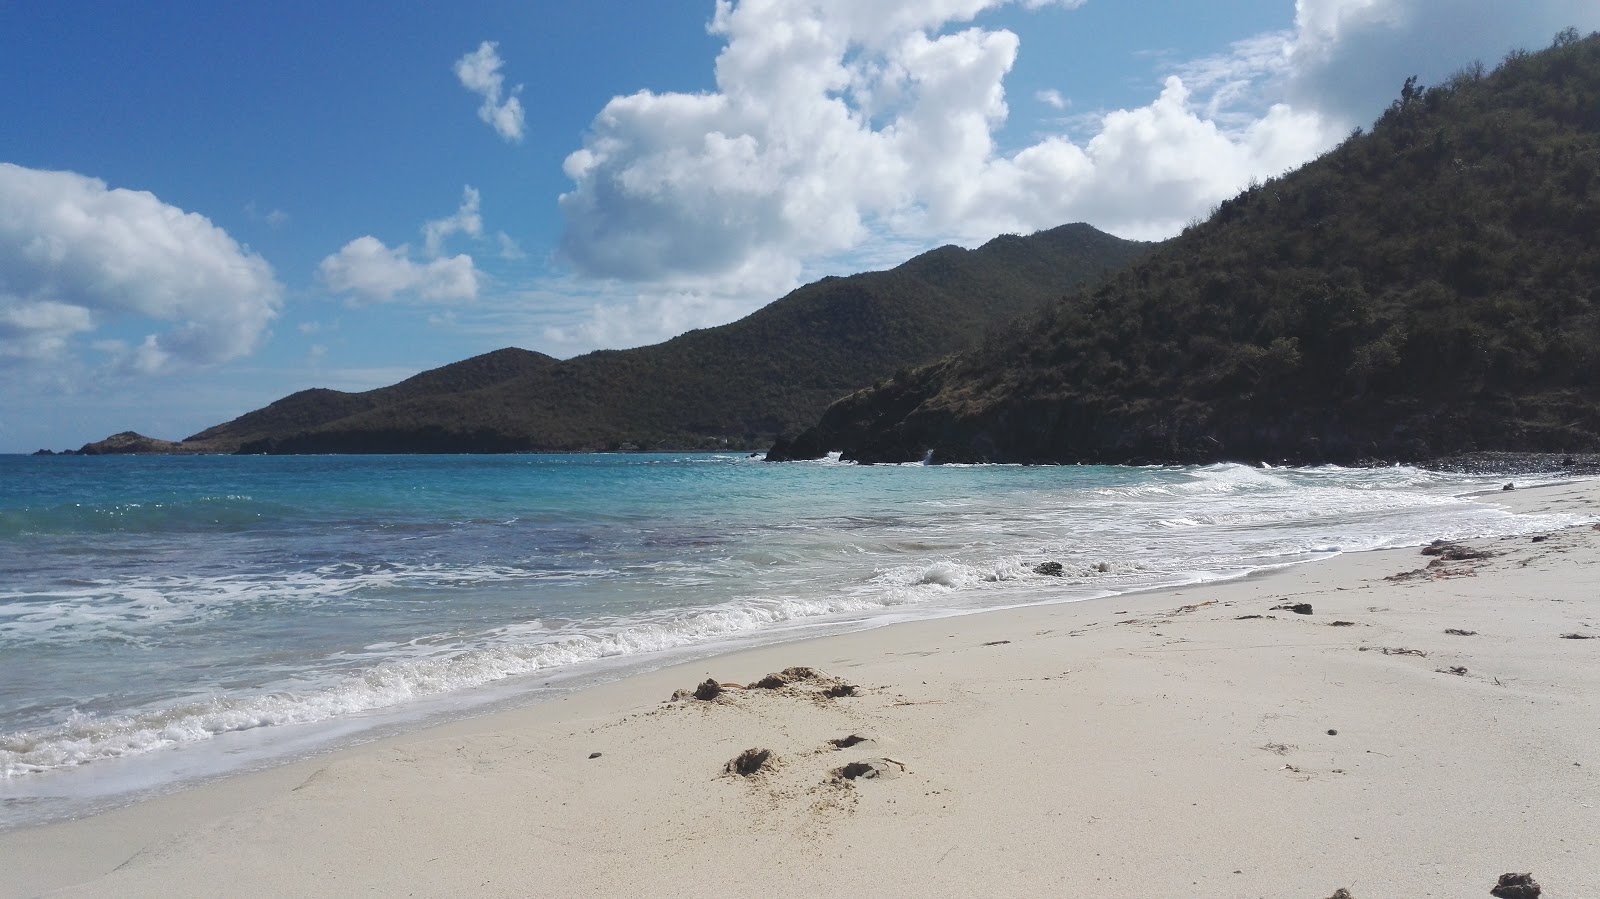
(204, 207)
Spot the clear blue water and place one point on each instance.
(170, 617)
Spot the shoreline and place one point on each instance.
(1032, 738)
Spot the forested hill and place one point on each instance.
(738, 385)
(1427, 288)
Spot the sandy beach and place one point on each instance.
(1431, 724)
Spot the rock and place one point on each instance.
(1341, 893)
(1048, 569)
(1577, 636)
(594, 755)
(805, 447)
(1332, 732)
(1515, 886)
(44, 452)
(748, 762)
(708, 690)
(1299, 608)
(1509, 487)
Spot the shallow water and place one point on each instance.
(165, 618)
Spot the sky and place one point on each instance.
(205, 207)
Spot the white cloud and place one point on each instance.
(624, 320)
(274, 219)
(479, 72)
(368, 270)
(838, 124)
(39, 330)
(1052, 98)
(509, 248)
(77, 255)
(467, 220)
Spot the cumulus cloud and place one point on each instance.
(77, 255)
(1052, 98)
(479, 72)
(367, 269)
(836, 123)
(467, 220)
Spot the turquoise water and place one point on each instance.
(171, 617)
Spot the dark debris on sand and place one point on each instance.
(786, 677)
(1454, 552)
(748, 762)
(1299, 608)
(1394, 650)
(705, 692)
(795, 681)
(1516, 886)
(868, 769)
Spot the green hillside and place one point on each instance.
(1430, 287)
(737, 386)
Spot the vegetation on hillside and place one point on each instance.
(734, 386)
(1430, 287)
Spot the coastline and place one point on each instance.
(1149, 743)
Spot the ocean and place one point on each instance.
(169, 619)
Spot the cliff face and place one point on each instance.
(737, 385)
(1429, 288)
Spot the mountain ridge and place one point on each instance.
(738, 385)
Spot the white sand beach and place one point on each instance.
(1425, 729)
